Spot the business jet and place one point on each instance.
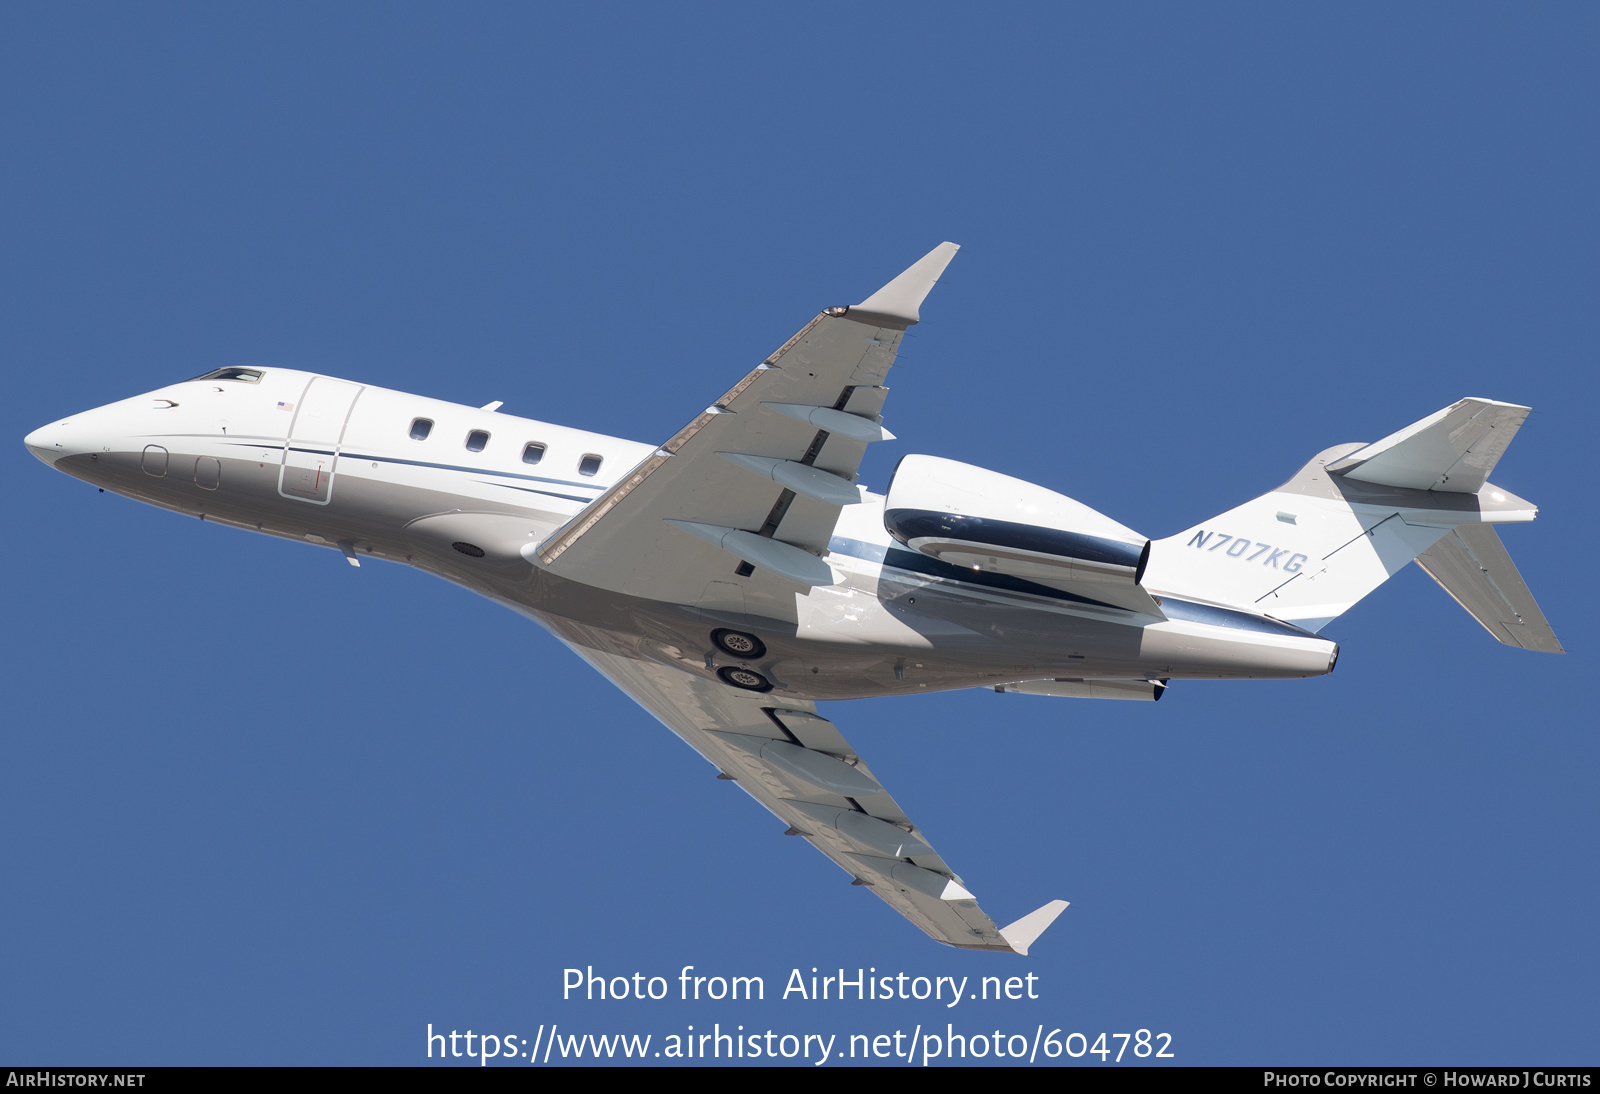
(732, 576)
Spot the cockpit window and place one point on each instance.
(243, 375)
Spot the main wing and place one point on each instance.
(736, 510)
(801, 768)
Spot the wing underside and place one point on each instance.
(799, 766)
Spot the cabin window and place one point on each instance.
(476, 440)
(589, 465)
(420, 428)
(533, 452)
(243, 375)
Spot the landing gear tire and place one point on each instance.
(748, 679)
(746, 647)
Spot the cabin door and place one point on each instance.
(312, 450)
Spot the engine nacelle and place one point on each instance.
(985, 521)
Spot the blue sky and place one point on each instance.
(262, 808)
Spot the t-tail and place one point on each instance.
(1351, 518)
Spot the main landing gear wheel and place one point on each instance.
(748, 679)
(746, 647)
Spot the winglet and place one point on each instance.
(897, 303)
(1022, 934)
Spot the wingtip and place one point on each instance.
(1026, 931)
(899, 302)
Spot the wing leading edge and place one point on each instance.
(800, 767)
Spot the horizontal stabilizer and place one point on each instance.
(1025, 931)
(1453, 450)
(1473, 567)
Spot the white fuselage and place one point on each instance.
(335, 463)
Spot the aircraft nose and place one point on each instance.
(48, 442)
(85, 432)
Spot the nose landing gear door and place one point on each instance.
(312, 449)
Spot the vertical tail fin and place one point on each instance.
(1354, 516)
